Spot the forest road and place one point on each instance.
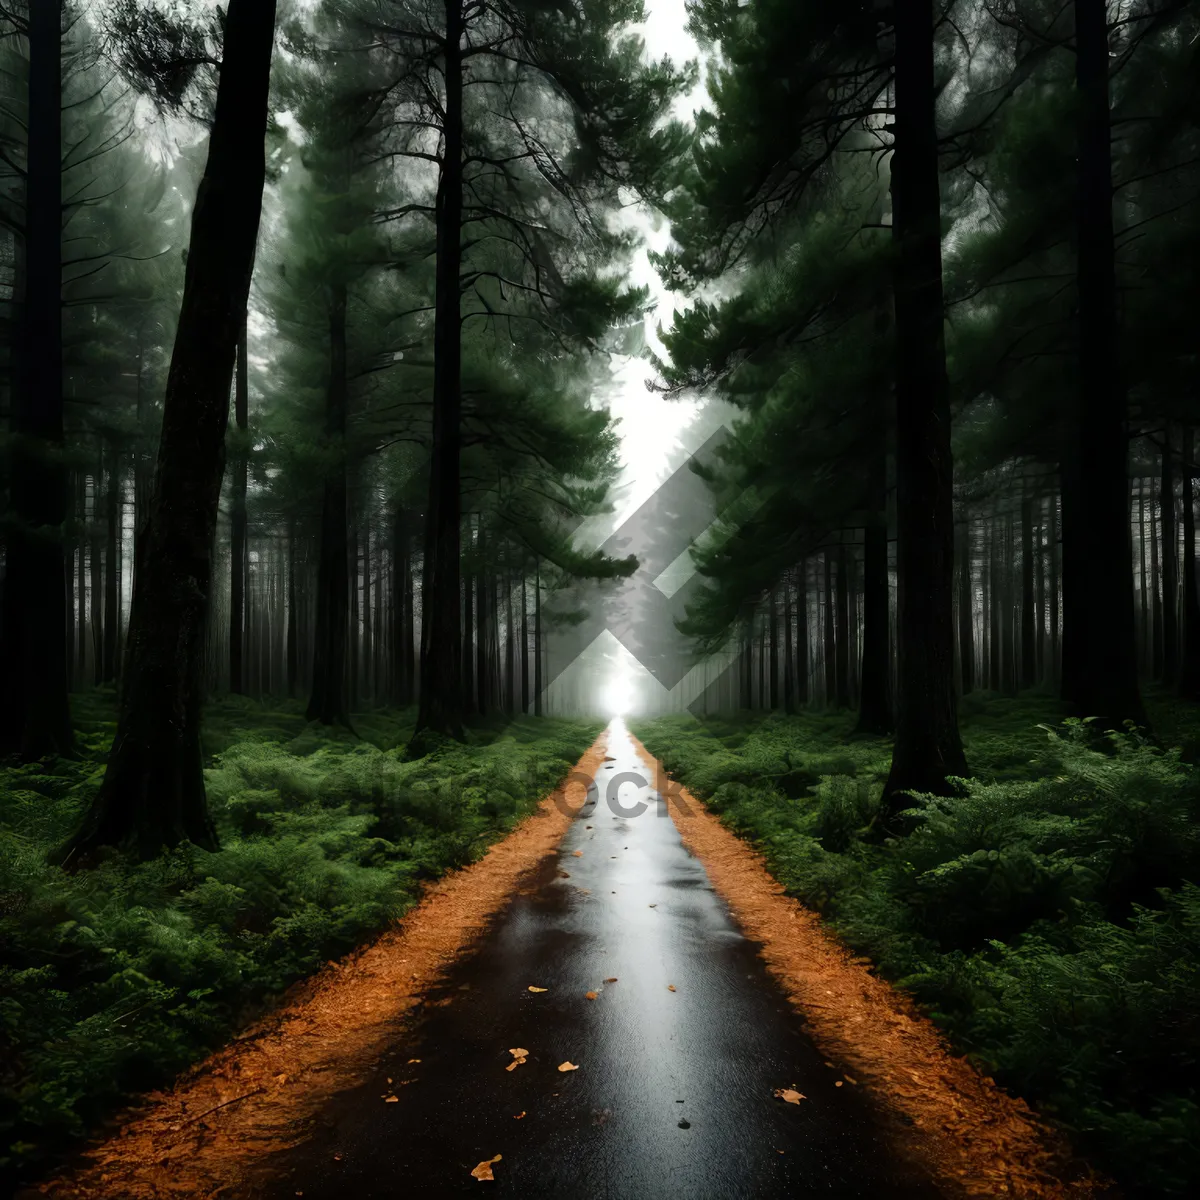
(674, 1092)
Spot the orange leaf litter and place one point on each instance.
(972, 1137)
(209, 1133)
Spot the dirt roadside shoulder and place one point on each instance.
(971, 1136)
(257, 1095)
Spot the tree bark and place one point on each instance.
(1099, 627)
(789, 664)
(830, 650)
(1170, 567)
(875, 699)
(927, 747)
(35, 714)
(327, 700)
(237, 519)
(1028, 615)
(537, 641)
(153, 790)
(112, 552)
(441, 703)
(1156, 640)
(842, 625)
(1189, 667)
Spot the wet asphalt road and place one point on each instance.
(674, 1092)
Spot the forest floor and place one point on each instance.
(706, 1042)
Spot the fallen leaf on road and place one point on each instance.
(577, 854)
(611, 979)
(564, 874)
(838, 1084)
(519, 1053)
(518, 1116)
(413, 1060)
(516, 1062)
(789, 1095)
(391, 1099)
(670, 987)
(567, 1066)
(536, 989)
(850, 1079)
(654, 906)
(592, 995)
(484, 1169)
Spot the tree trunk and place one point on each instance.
(237, 518)
(327, 699)
(35, 714)
(927, 747)
(842, 625)
(875, 699)
(1156, 646)
(537, 640)
(153, 789)
(802, 664)
(293, 615)
(441, 669)
(1100, 662)
(773, 666)
(830, 648)
(1028, 615)
(524, 646)
(1170, 567)
(1143, 592)
(966, 610)
(1055, 569)
(1189, 668)
(112, 560)
(789, 665)
(468, 629)
(354, 630)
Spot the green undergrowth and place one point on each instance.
(112, 980)
(1047, 917)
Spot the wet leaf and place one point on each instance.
(518, 1116)
(851, 1079)
(519, 1053)
(577, 854)
(391, 1099)
(611, 979)
(567, 1066)
(670, 987)
(413, 1060)
(838, 1083)
(654, 906)
(592, 995)
(484, 1169)
(536, 989)
(789, 1095)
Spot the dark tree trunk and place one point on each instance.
(353, 634)
(96, 575)
(524, 647)
(237, 518)
(35, 714)
(802, 665)
(1189, 668)
(441, 669)
(1055, 569)
(153, 789)
(293, 615)
(510, 681)
(842, 635)
(1039, 640)
(1156, 647)
(830, 648)
(875, 700)
(368, 653)
(1028, 616)
(1099, 627)
(112, 591)
(774, 650)
(468, 633)
(327, 701)
(1170, 568)
(537, 641)
(927, 747)
(995, 605)
(1143, 591)
(966, 610)
(789, 665)
(482, 680)
(401, 606)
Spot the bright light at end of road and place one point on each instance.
(617, 698)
